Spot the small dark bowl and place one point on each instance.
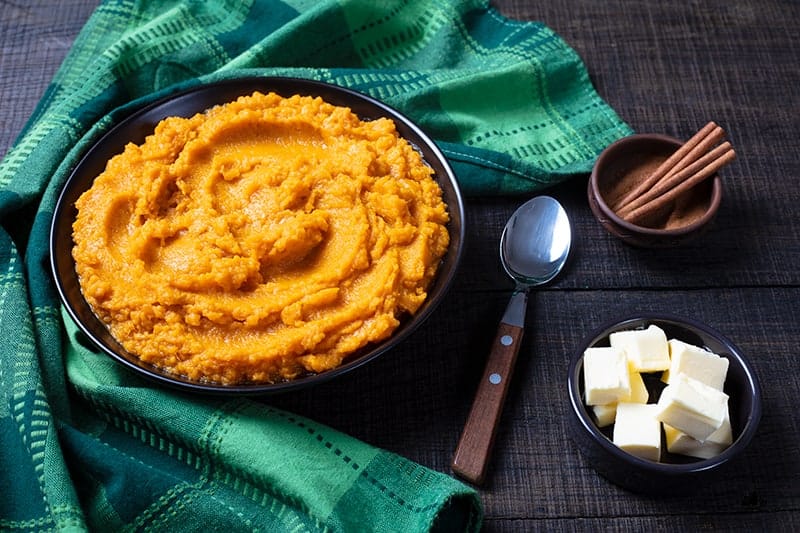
(198, 99)
(638, 155)
(675, 474)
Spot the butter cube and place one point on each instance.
(605, 376)
(637, 431)
(647, 349)
(605, 414)
(697, 363)
(639, 392)
(692, 407)
(716, 443)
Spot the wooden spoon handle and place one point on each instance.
(472, 454)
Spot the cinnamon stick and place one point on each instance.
(698, 143)
(673, 179)
(687, 181)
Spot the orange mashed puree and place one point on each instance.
(265, 239)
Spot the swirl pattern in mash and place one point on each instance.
(259, 241)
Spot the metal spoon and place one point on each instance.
(533, 249)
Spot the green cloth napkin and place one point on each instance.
(84, 444)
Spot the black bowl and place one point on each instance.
(198, 99)
(675, 474)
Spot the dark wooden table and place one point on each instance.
(666, 67)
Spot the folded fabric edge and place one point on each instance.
(429, 500)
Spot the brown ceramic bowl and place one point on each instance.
(629, 160)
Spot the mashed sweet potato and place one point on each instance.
(262, 240)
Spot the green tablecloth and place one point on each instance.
(86, 445)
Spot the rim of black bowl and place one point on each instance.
(610, 151)
(199, 98)
(746, 432)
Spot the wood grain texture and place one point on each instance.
(473, 453)
(35, 37)
(666, 67)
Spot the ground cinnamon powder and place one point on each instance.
(626, 174)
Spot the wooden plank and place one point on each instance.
(665, 67)
(535, 467)
(755, 521)
(34, 38)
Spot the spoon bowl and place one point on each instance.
(535, 243)
(534, 247)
